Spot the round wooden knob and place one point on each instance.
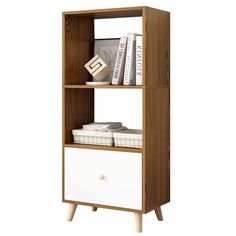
(101, 177)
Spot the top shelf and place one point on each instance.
(78, 46)
(109, 13)
(104, 86)
(113, 12)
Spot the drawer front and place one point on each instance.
(103, 177)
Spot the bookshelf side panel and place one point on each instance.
(157, 147)
(156, 107)
(156, 28)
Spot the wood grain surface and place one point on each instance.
(156, 44)
(156, 108)
(102, 206)
(79, 110)
(109, 12)
(78, 48)
(105, 148)
(156, 148)
(104, 86)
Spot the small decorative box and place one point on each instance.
(97, 68)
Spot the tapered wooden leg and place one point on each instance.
(94, 208)
(71, 211)
(138, 221)
(159, 213)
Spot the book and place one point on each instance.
(118, 74)
(130, 62)
(139, 58)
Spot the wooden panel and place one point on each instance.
(78, 41)
(110, 13)
(156, 108)
(104, 86)
(103, 206)
(79, 110)
(105, 148)
(156, 147)
(156, 44)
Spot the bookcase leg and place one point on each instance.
(159, 213)
(71, 211)
(138, 221)
(94, 208)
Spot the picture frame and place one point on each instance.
(107, 50)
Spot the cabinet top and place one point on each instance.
(113, 12)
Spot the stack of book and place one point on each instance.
(128, 65)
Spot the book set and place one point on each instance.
(128, 66)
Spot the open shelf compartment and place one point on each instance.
(79, 39)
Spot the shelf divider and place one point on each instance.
(103, 86)
(106, 148)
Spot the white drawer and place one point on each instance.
(122, 183)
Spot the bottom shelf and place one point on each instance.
(103, 206)
(106, 148)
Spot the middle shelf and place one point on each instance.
(104, 86)
(107, 148)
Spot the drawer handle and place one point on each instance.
(101, 177)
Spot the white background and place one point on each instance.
(203, 116)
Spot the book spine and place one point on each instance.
(132, 79)
(128, 60)
(139, 58)
(118, 73)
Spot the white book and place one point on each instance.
(139, 58)
(130, 64)
(118, 74)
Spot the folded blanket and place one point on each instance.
(102, 126)
(122, 128)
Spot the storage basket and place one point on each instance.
(92, 137)
(128, 138)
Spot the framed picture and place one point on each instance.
(107, 50)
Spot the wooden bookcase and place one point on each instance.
(78, 109)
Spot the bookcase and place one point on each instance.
(119, 178)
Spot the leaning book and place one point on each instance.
(130, 62)
(118, 74)
(139, 58)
